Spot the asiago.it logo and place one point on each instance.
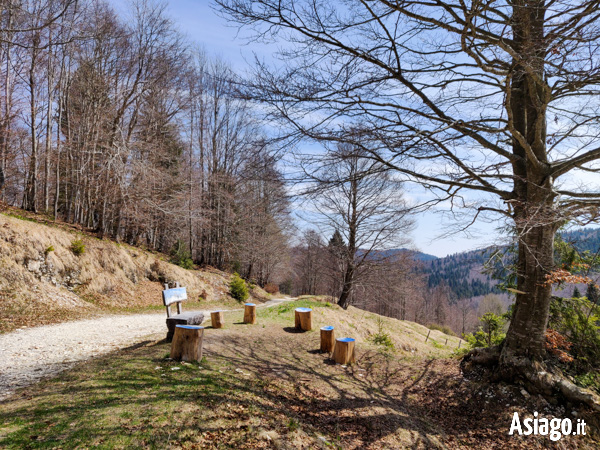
(540, 426)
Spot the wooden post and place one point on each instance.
(459, 342)
(187, 343)
(446, 342)
(427, 335)
(250, 313)
(327, 339)
(343, 353)
(216, 318)
(304, 319)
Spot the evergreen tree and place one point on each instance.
(576, 293)
(336, 243)
(593, 294)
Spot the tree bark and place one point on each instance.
(343, 353)
(217, 319)
(535, 215)
(187, 343)
(327, 339)
(527, 331)
(303, 319)
(250, 313)
(30, 200)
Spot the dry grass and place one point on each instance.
(43, 281)
(408, 337)
(267, 386)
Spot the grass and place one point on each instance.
(78, 247)
(244, 393)
(259, 386)
(284, 309)
(20, 217)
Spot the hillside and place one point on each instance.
(464, 272)
(262, 386)
(417, 256)
(267, 386)
(42, 280)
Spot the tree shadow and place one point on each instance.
(139, 345)
(293, 330)
(370, 404)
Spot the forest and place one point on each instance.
(121, 125)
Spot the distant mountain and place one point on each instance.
(417, 256)
(463, 272)
(584, 239)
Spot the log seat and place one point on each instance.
(178, 295)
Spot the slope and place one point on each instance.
(267, 386)
(44, 280)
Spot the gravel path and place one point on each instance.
(30, 354)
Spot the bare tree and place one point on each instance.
(309, 263)
(392, 286)
(488, 104)
(358, 198)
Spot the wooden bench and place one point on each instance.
(178, 295)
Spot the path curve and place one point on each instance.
(31, 354)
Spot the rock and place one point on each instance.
(524, 393)
(34, 266)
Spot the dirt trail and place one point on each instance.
(30, 354)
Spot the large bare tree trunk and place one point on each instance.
(526, 334)
(534, 211)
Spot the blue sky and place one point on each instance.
(197, 20)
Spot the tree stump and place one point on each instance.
(304, 319)
(343, 353)
(250, 313)
(187, 343)
(216, 318)
(327, 339)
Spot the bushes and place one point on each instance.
(180, 255)
(381, 337)
(271, 288)
(490, 333)
(573, 339)
(577, 319)
(238, 288)
(78, 247)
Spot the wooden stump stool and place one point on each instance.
(343, 353)
(216, 318)
(250, 313)
(304, 319)
(327, 339)
(187, 343)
